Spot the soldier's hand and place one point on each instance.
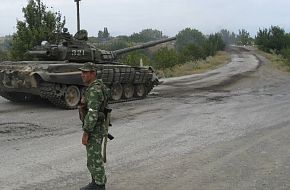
(85, 138)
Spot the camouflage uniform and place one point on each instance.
(94, 126)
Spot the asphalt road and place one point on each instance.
(225, 129)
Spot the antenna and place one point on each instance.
(78, 14)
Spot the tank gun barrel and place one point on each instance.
(142, 46)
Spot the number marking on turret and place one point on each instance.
(78, 52)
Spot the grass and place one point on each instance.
(194, 67)
(277, 61)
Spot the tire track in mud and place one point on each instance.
(12, 131)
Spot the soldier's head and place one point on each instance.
(89, 73)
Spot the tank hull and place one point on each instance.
(60, 81)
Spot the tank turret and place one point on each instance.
(76, 49)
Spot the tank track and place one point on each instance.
(17, 97)
(55, 100)
(50, 93)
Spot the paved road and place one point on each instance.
(225, 129)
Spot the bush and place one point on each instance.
(286, 54)
(165, 58)
(189, 36)
(3, 55)
(191, 52)
(274, 39)
(133, 58)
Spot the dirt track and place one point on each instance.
(226, 129)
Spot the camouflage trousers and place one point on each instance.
(95, 162)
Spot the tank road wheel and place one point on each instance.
(72, 96)
(128, 91)
(117, 91)
(140, 91)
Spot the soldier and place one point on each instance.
(91, 113)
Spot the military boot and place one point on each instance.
(90, 186)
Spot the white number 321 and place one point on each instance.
(78, 52)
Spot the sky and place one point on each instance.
(124, 17)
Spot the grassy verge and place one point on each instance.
(277, 61)
(194, 67)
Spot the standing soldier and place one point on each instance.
(91, 111)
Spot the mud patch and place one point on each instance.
(217, 95)
(215, 99)
(22, 130)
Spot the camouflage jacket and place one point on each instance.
(94, 98)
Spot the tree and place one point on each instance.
(106, 33)
(39, 25)
(100, 34)
(214, 43)
(112, 45)
(165, 58)
(262, 39)
(5, 44)
(191, 44)
(146, 35)
(244, 38)
(191, 52)
(273, 38)
(189, 36)
(278, 38)
(103, 35)
(286, 54)
(227, 37)
(3, 55)
(133, 58)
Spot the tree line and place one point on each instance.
(42, 24)
(190, 45)
(274, 40)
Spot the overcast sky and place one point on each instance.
(124, 17)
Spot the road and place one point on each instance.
(224, 129)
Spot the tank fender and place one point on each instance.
(63, 78)
(37, 77)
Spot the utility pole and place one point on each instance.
(78, 14)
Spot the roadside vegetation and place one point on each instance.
(275, 42)
(192, 52)
(278, 61)
(198, 66)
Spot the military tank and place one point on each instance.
(54, 74)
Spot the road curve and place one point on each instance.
(224, 129)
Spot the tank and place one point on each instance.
(54, 74)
